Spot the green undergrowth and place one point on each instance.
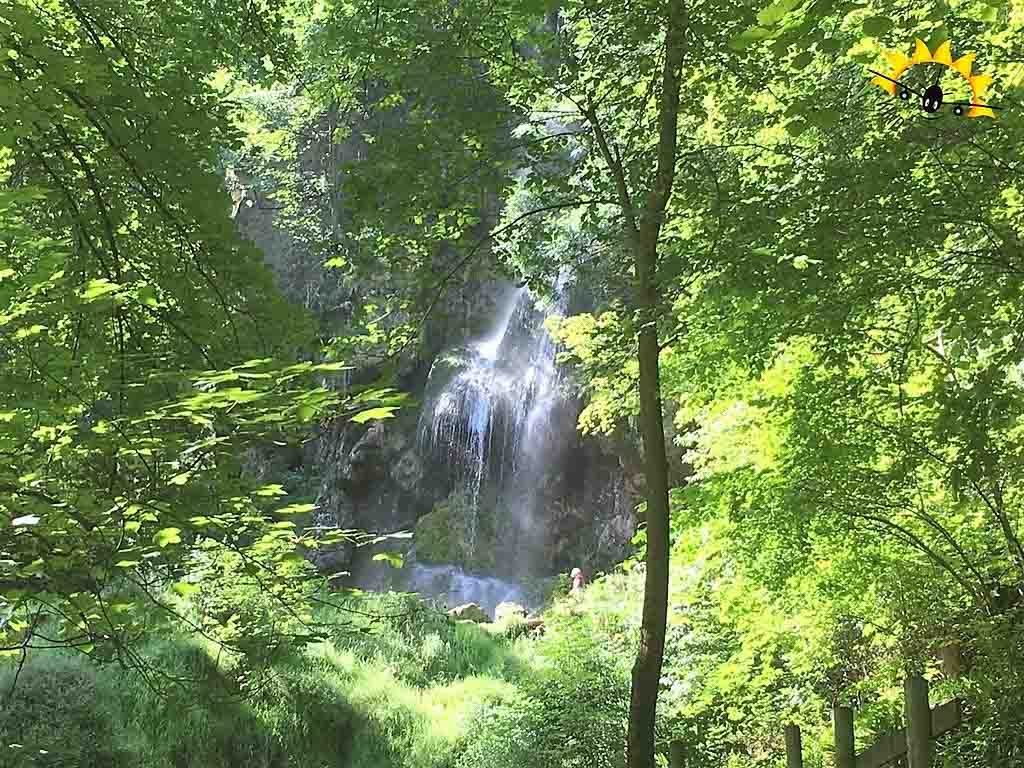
(396, 684)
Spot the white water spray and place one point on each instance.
(492, 419)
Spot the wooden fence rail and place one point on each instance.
(913, 742)
(794, 749)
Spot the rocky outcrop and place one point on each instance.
(458, 531)
(378, 479)
(506, 611)
(382, 477)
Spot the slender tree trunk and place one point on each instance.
(644, 241)
(642, 220)
(647, 668)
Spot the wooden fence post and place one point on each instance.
(919, 722)
(676, 755)
(842, 721)
(952, 660)
(794, 747)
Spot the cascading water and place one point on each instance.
(461, 423)
(492, 418)
(455, 587)
(496, 440)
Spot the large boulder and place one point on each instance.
(408, 471)
(469, 612)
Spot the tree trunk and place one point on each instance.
(643, 239)
(676, 755)
(842, 726)
(647, 668)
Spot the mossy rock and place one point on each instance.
(446, 533)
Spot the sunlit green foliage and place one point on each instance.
(145, 346)
(846, 369)
(394, 691)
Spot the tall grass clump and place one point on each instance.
(570, 710)
(420, 644)
(61, 712)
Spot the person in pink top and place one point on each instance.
(578, 580)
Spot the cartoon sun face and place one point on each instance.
(931, 99)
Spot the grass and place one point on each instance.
(401, 696)
(405, 725)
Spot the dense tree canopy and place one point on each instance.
(145, 345)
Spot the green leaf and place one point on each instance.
(98, 288)
(32, 330)
(825, 118)
(185, 589)
(801, 60)
(375, 414)
(989, 14)
(796, 127)
(167, 536)
(271, 489)
(295, 509)
(291, 558)
(749, 37)
(386, 536)
(774, 13)
(876, 26)
(938, 37)
(146, 294)
(393, 559)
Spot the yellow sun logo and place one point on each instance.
(931, 99)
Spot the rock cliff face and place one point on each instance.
(489, 472)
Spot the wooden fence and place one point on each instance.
(908, 747)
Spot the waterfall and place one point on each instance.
(460, 424)
(491, 420)
(455, 587)
(494, 419)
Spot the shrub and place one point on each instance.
(419, 643)
(60, 714)
(571, 713)
(291, 717)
